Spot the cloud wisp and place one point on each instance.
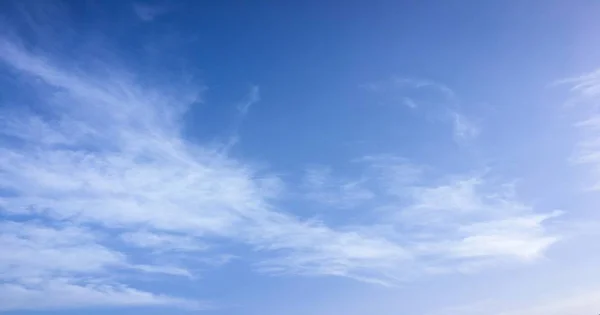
(432, 99)
(585, 92)
(105, 151)
(459, 224)
(321, 186)
(243, 108)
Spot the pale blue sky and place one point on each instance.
(316, 157)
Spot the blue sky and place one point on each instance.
(317, 157)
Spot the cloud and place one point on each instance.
(432, 99)
(313, 249)
(45, 267)
(99, 165)
(164, 241)
(33, 250)
(106, 152)
(471, 223)
(243, 108)
(458, 224)
(448, 93)
(393, 173)
(322, 187)
(147, 12)
(410, 102)
(252, 98)
(464, 129)
(518, 238)
(60, 293)
(585, 91)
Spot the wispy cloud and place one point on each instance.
(462, 223)
(252, 98)
(432, 98)
(464, 129)
(45, 267)
(139, 184)
(60, 293)
(471, 223)
(164, 241)
(65, 164)
(322, 186)
(585, 91)
(148, 12)
(243, 108)
(32, 250)
(448, 93)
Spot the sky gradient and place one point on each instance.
(316, 157)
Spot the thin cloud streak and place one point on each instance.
(585, 92)
(439, 101)
(252, 98)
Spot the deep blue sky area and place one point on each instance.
(299, 157)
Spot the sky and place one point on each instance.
(308, 157)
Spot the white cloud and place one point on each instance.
(313, 249)
(62, 293)
(391, 173)
(522, 237)
(243, 108)
(473, 219)
(410, 102)
(33, 250)
(252, 98)
(164, 241)
(464, 129)
(447, 92)
(435, 100)
(462, 197)
(112, 157)
(462, 223)
(50, 267)
(585, 91)
(322, 187)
